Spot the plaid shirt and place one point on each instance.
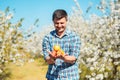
(70, 43)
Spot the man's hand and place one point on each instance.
(52, 54)
(50, 60)
(65, 57)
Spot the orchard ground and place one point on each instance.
(29, 71)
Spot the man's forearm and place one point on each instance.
(69, 59)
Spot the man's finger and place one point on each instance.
(49, 51)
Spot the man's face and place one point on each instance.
(60, 24)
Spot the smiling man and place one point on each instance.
(61, 67)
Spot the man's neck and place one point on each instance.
(60, 34)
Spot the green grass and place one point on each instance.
(29, 71)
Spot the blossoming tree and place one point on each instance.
(12, 43)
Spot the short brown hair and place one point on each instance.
(59, 13)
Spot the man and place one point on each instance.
(61, 49)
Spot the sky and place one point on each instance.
(31, 10)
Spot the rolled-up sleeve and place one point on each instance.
(45, 46)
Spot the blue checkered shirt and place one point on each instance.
(70, 43)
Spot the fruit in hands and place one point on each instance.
(62, 52)
(58, 53)
(54, 53)
(58, 50)
(56, 47)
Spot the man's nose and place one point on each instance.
(59, 25)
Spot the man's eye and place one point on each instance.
(56, 23)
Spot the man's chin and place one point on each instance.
(60, 31)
